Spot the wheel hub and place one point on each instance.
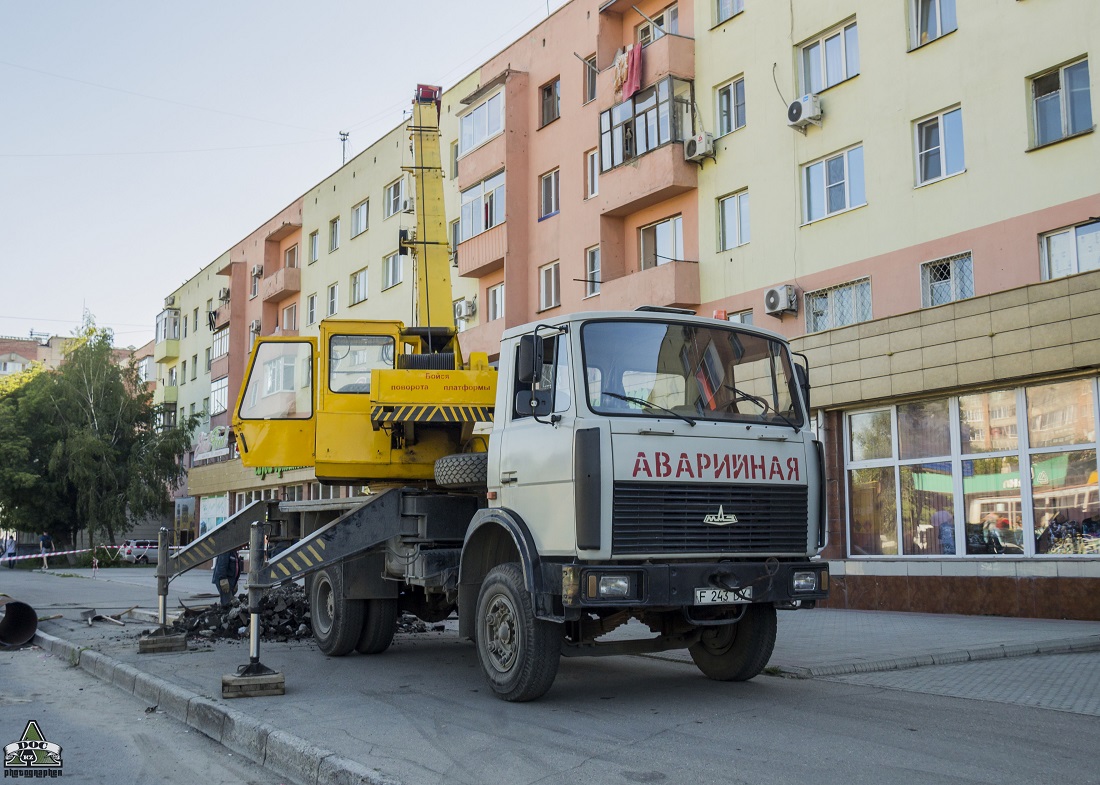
(502, 641)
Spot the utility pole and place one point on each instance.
(344, 146)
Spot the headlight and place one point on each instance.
(610, 587)
(804, 580)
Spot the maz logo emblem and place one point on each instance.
(721, 519)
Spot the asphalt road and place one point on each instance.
(107, 736)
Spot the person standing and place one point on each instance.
(45, 545)
(227, 571)
(9, 552)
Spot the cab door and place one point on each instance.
(275, 419)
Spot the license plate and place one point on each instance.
(710, 596)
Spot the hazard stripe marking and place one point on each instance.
(293, 563)
(316, 555)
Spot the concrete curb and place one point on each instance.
(994, 652)
(282, 753)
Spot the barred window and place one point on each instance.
(946, 280)
(838, 306)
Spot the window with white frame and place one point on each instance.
(391, 275)
(494, 300)
(220, 345)
(947, 280)
(726, 9)
(838, 306)
(482, 123)
(1000, 473)
(830, 59)
(290, 317)
(733, 220)
(168, 326)
(333, 298)
(592, 271)
(172, 377)
(183, 372)
(833, 185)
(668, 21)
(741, 317)
(1063, 106)
(591, 174)
(590, 76)
(456, 238)
(206, 359)
(661, 242)
(454, 160)
(394, 198)
(549, 286)
(334, 234)
(655, 116)
(931, 19)
(253, 290)
(219, 395)
(194, 367)
(1074, 249)
(290, 256)
(311, 309)
(731, 106)
(482, 207)
(550, 102)
(548, 194)
(940, 146)
(358, 286)
(359, 218)
(314, 247)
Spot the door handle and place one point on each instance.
(508, 477)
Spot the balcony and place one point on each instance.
(219, 366)
(285, 281)
(165, 394)
(166, 350)
(483, 338)
(669, 55)
(483, 253)
(673, 285)
(649, 179)
(222, 314)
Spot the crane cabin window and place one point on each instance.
(352, 358)
(279, 386)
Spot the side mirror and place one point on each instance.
(529, 359)
(534, 402)
(802, 376)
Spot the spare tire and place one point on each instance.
(463, 471)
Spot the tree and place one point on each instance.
(85, 451)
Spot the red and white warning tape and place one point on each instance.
(115, 555)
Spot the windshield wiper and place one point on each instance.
(649, 405)
(761, 402)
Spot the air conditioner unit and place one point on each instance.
(223, 294)
(258, 271)
(459, 309)
(804, 111)
(254, 326)
(464, 309)
(169, 301)
(699, 147)
(780, 300)
(408, 205)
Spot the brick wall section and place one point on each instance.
(1045, 328)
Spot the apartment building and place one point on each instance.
(906, 190)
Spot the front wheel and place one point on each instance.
(519, 653)
(337, 622)
(737, 652)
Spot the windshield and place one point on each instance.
(658, 369)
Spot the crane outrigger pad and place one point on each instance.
(231, 535)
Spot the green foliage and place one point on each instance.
(80, 447)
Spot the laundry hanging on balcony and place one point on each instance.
(633, 81)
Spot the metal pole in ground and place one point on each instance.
(255, 678)
(160, 640)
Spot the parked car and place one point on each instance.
(139, 551)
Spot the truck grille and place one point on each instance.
(649, 517)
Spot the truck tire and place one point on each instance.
(518, 652)
(462, 471)
(379, 625)
(737, 652)
(337, 623)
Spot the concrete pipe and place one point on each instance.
(18, 623)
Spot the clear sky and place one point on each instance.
(141, 139)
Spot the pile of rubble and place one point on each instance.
(284, 616)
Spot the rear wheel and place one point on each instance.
(379, 625)
(337, 622)
(737, 652)
(518, 652)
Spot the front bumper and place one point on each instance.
(674, 585)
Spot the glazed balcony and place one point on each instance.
(649, 179)
(219, 367)
(669, 55)
(284, 282)
(483, 253)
